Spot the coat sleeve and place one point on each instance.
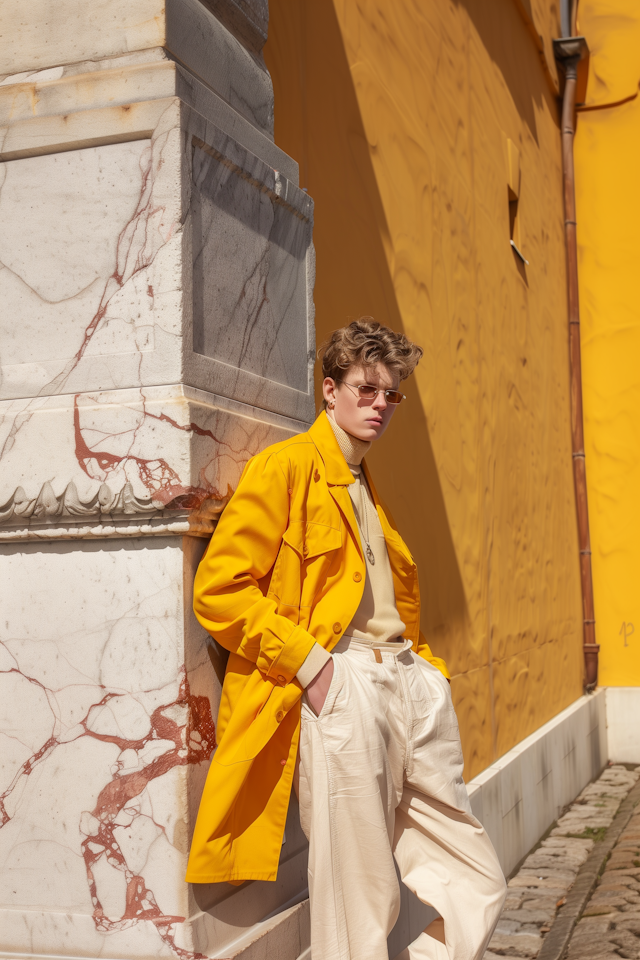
(228, 600)
(424, 651)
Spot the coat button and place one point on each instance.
(337, 628)
(282, 681)
(357, 576)
(305, 551)
(280, 716)
(316, 475)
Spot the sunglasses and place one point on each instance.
(366, 391)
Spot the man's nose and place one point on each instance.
(380, 402)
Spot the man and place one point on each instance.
(311, 588)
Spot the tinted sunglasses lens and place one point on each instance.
(367, 392)
(393, 396)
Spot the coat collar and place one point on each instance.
(338, 472)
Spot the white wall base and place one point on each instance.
(519, 796)
(623, 724)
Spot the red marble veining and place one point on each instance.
(25, 770)
(160, 479)
(138, 244)
(141, 903)
(99, 453)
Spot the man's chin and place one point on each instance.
(372, 431)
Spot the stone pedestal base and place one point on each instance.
(100, 788)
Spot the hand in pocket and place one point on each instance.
(318, 689)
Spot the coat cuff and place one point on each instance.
(313, 664)
(291, 654)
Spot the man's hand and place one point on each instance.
(318, 689)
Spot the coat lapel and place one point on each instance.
(343, 501)
(337, 473)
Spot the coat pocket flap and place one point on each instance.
(310, 539)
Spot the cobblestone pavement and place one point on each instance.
(544, 879)
(610, 925)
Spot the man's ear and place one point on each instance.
(328, 390)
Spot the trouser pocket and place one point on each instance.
(335, 687)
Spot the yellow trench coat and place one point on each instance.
(284, 569)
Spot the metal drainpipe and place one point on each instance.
(568, 52)
(566, 17)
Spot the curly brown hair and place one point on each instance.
(364, 343)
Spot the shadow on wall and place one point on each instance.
(497, 24)
(321, 127)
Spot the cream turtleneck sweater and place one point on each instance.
(377, 618)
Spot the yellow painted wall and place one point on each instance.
(398, 112)
(607, 154)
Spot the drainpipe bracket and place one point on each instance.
(572, 57)
(570, 48)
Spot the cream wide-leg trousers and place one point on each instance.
(381, 777)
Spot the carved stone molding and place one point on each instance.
(106, 514)
(47, 505)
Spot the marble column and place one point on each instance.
(156, 330)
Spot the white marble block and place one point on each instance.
(108, 701)
(157, 328)
(156, 331)
(99, 725)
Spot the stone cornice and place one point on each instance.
(107, 514)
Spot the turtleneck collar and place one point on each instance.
(352, 449)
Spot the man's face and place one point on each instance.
(363, 418)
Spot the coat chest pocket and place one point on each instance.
(308, 554)
(311, 540)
